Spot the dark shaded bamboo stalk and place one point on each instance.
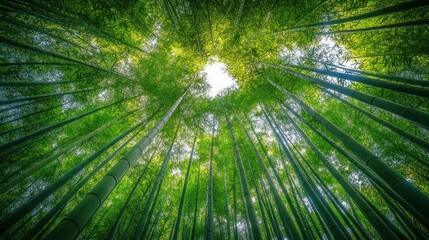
(45, 96)
(29, 136)
(16, 180)
(19, 64)
(33, 84)
(41, 51)
(380, 12)
(368, 172)
(287, 220)
(415, 115)
(68, 21)
(381, 227)
(182, 198)
(259, 200)
(270, 211)
(331, 222)
(407, 191)
(256, 232)
(369, 81)
(60, 205)
(28, 115)
(209, 228)
(114, 228)
(72, 225)
(28, 206)
(412, 138)
(398, 183)
(411, 81)
(228, 218)
(194, 220)
(421, 22)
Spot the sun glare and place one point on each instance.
(218, 78)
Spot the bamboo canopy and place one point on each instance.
(214, 119)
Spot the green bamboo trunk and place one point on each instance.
(411, 81)
(45, 96)
(375, 220)
(60, 205)
(194, 220)
(72, 224)
(421, 22)
(28, 206)
(209, 228)
(182, 198)
(331, 222)
(41, 51)
(415, 115)
(29, 136)
(412, 138)
(380, 12)
(256, 232)
(368, 172)
(114, 228)
(16, 180)
(398, 183)
(287, 220)
(369, 81)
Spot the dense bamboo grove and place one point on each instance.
(107, 129)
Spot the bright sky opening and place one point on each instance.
(217, 76)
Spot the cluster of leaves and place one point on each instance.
(90, 70)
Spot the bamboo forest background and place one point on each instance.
(107, 131)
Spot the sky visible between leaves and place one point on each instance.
(217, 76)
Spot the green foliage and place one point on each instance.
(62, 59)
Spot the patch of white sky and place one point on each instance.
(53, 75)
(152, 42)
(216, 75)
(356, 179)
(332, 158)
(104, 95)
(293, 55)
(207, 124)
(94, 46)
(183, 148)
(125, 66)
(308, 204)
(43, 41)
(268, 137)
(68, 102)
(241, 226)
(176, 172)
(327, 50)
(260, 123)
(182, 151)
